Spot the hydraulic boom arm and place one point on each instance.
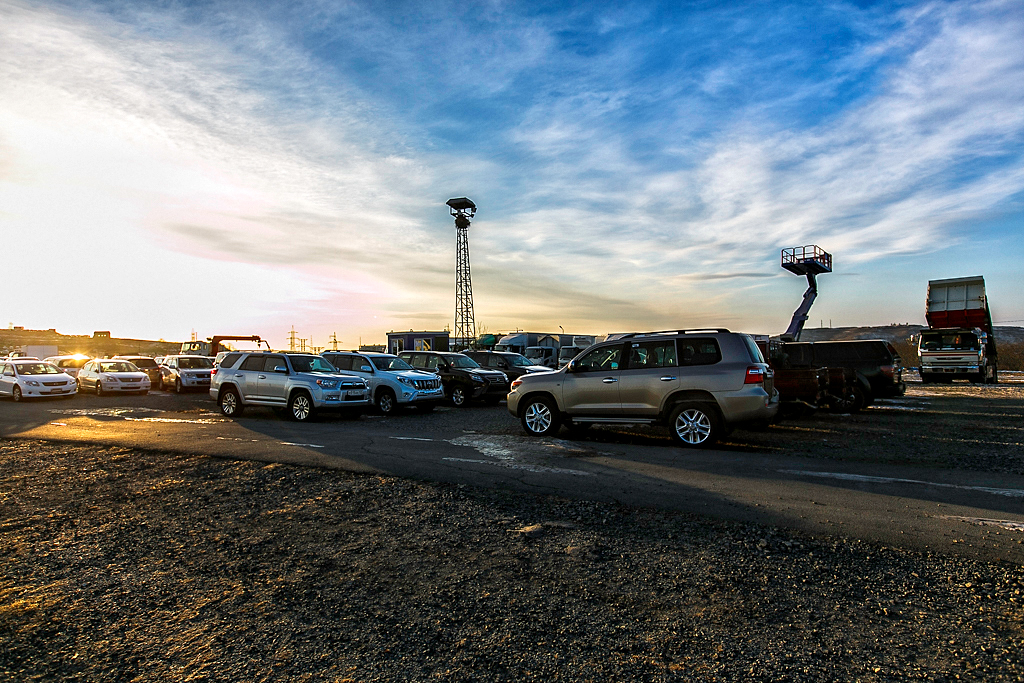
(796, 325)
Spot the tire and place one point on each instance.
(459, 397)
(177, 385)
(851, 402)
(539, 417)
(386, 402)
(426, 407)
(300, 407)
(995, 375)
(230, 403)
(16, 394)
(694, 425)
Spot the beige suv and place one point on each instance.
(698, 383)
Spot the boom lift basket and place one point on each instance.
(809, 260)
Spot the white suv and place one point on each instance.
(392, 381)
(299, 382)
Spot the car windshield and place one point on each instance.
(311, 364)
(118, 366)
(37, 369)
(519, 361)
(535, 353)
(941, 341)
(459, 361)
(194, 363)
(390, 363)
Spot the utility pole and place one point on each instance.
(291, 339)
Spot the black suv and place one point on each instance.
(878, 367)
(512, 364)
(462, 377)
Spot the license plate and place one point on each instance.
(355, 394)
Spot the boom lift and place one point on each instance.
(811, 260)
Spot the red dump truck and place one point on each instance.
(960, 342)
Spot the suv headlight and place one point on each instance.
(475, 377)
(32, 383)
(406, 380)
(328, 383)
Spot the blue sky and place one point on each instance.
(237, 167)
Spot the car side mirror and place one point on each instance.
(365, 368)
(280, 368)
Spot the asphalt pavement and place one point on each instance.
(975, 514)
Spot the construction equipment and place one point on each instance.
(811, 261)
(212, 347)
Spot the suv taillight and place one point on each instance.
(755, 375)
(888, 370)
(213, 372)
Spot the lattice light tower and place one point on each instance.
(463, 208)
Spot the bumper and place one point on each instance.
(194, 383)
(40, 392)
(749, 405)
(409, 395)
(341, 399)
(125, 388)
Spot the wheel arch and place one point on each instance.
(526, 398)
(689, 396)
(229, 385)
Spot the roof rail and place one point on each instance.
(699, 330)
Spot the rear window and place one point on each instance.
(753, 349)
(72, 362)
(229, 360)
(144, 362)
(699, 352)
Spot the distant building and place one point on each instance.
(418, 341)
(101, 334)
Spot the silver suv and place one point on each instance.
(698, 383)
(301, 383)
(393, 382)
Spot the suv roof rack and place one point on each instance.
(699, 330)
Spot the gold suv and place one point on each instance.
(698, 383)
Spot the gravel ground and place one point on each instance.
(142, 566)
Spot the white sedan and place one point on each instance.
(33, 378)
(112, 376)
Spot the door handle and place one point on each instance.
(609, 380)
(667, 379)
(261, 376)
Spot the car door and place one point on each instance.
(591, 385)
(273, 381)
(246, 377)
(86, 377)
(6, 379)
(650, 374)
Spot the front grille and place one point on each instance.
(426, 384)
(352, 385)
(54, 384)
(130, 380)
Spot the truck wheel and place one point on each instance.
(694, 425)
(539, 417)
(230, 403)
(851, 402)
(386, 402)
(300, 407)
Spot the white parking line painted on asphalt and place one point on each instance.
(1012, 493)
(305, 445)
(60, 424)
(235, 438)
(409, 438)
(981, 521)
